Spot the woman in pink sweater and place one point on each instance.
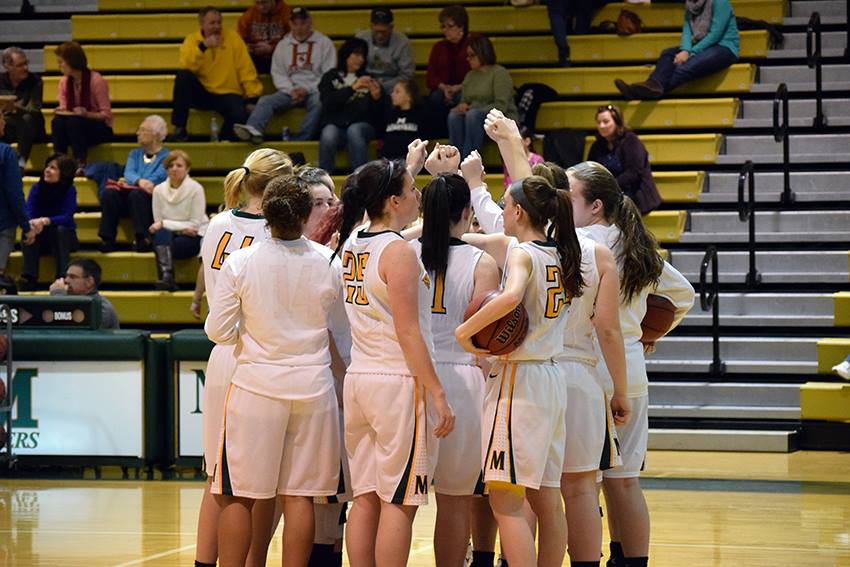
(84, 116)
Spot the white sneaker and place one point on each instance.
(842, 370)
(247, 133)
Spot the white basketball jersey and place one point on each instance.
(546, 301)
(227, 232)
(375, 348)
(450, 295)
(579, 334)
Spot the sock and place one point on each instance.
(636, 561)
(616, 555)
(199, 564)
(321, 556)
(483, 558)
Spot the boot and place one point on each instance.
(164, 269)
(647, 90)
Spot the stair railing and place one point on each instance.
(780, 134)
(710, 299)
(814, 60)
(747, 212)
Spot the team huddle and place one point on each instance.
(348, 372)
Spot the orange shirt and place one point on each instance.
(254, 27)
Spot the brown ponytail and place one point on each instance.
(260, 167)
(639, 262)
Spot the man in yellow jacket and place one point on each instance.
(216, 74)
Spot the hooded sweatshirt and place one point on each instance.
(302, 63)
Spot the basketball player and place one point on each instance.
(280, 431)
(458, 272)
(387, 299)
(526, 399)
(612, 219)
(240, 226)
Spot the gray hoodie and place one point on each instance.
(391, 62)
(302, 64)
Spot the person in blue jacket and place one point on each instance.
(709, 44)
(13, 211)
(51, 205)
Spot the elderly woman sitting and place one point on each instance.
(130, 195)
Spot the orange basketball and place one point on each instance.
(660, 313)
(503, 336)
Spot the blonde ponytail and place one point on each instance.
(249, 180)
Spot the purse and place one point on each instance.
(119, 185)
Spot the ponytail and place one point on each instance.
(639, 261)
(443, 201)
(260, 167)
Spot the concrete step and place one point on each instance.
(805, 8)
(759, 355)
(664, 392)
(699, 411)
(824, 266)
(723, 440)
(799, 78)
(65, 6)
(771, 226)
(822, 148)
(36, 60)
(759, 113)
(31, 31)
(807, 185)
(768, 310)
(832, 45)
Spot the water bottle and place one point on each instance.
(213, 130)
(284, 134)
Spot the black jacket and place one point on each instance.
(635, 179)
(342, 106)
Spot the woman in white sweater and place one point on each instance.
(180, 218)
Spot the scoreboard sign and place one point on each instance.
(51, 311)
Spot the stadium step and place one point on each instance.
(34, 31)
(768, 310)
(148, 307)
(799, 78)
(509, 51)
(807, 186)
(118, 267)
(831, 11)
(812, 148)
(832, 45)
(801, 113)
(758, 441)
(50, 6)
(752, 355)
(723, 400)
(775, 267)
(669, 16)
(771, 226)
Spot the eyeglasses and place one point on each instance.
(471, 55)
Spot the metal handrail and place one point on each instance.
(780, 134)
(747, 212)
(814, 56)
(711, 299)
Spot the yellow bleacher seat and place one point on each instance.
(334, 23)
(831, 352)
(657, 115)
(509, 51)
(670, 16)
(577, 80)
(117, 267)
(841, 309)
(667, 226)
(189, 5)
(825, 401)
(145, 307)
(87, 190)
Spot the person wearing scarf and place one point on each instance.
(180, 218)
(84, 116)
(709, 43)
(51, 205)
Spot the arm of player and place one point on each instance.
(505, 133)
(519, 274)
(676, 287)
(399, 267)
(606, 321)
(486, 276)
(198, 294)
(222, 325)
(496, 245)
(489, 214)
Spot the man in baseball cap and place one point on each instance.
(390, 53)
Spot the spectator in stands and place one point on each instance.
(84, 116)
(486, 86)
(390, 53)
(620, 150)
(261, 27)
(13, 212)
(405, 120)
(566, 17)
(216, 74)
(180, 218)
(447, 63)
(22, 115)
(708, 44)
(533, 158)
(843, 368)
(130, 195)
(83, 278)
(352, 106)
(51, 205)
(299, 61)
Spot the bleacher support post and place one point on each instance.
(747, 212)
(711, 299)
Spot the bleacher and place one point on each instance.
(774, 336)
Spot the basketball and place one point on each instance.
(503, 336)
(660, 312)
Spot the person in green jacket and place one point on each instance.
(709, 44)
(485, 87)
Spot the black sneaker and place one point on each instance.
(180, 135)
(108, 246)
(142, 245)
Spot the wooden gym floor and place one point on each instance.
(708, 509)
